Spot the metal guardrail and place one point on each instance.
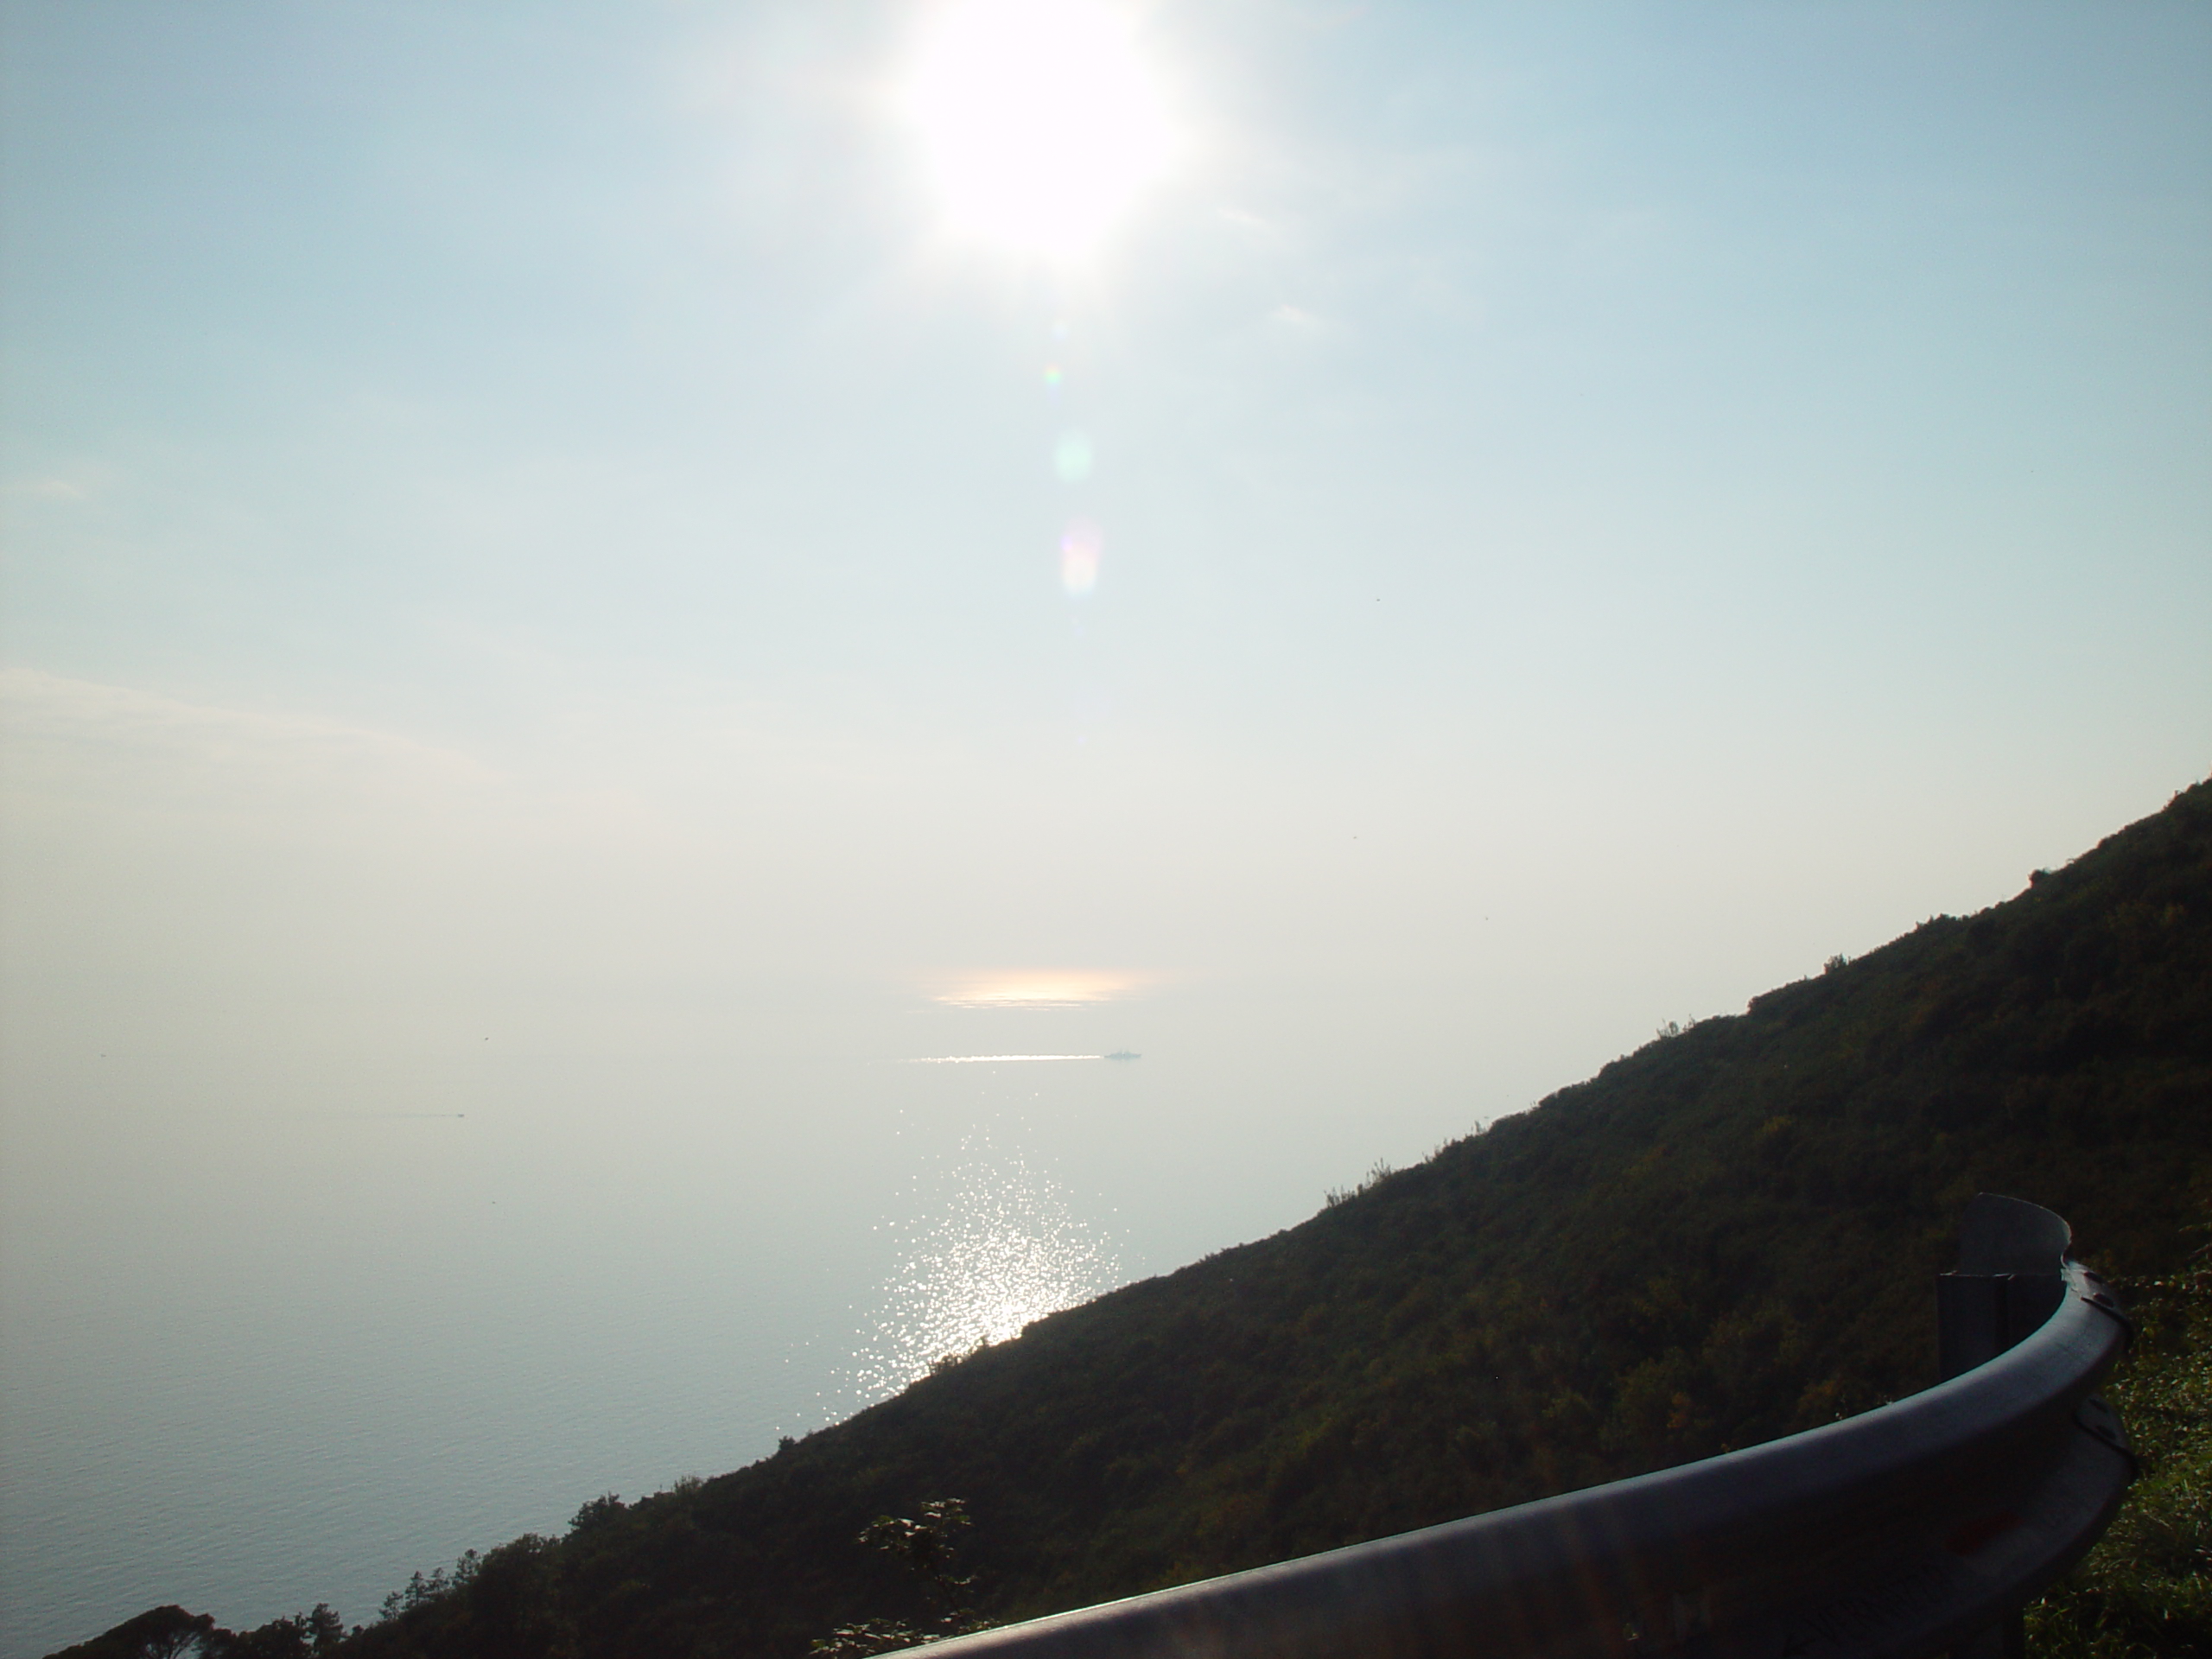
(1922, 1526)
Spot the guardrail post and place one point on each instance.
(2005, 1641)
(1980, 1315)
(2008, 1281)
(2006, 1284)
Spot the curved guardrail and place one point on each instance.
(1893, 1535)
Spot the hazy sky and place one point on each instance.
(566, 520)
(617, 570)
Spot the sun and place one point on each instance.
(1040, 121)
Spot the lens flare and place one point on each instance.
(1040, 124)
(1079, 550)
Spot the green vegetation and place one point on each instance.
(927, 1544)
(172, 1633)
(1725, 1236)
(2146, 1588)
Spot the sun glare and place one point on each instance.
(1040, 122)
(1037, 989)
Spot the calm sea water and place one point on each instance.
(286, 1329)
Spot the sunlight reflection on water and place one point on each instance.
(1005, 1249)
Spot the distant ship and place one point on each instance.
(1123, 1054)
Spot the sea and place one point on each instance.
(282, 1327)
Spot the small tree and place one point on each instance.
(597, 1512)
(158, 1633)
(927, 1543)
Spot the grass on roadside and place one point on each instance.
(2145, 1591)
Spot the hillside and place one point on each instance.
(1725, 1236)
